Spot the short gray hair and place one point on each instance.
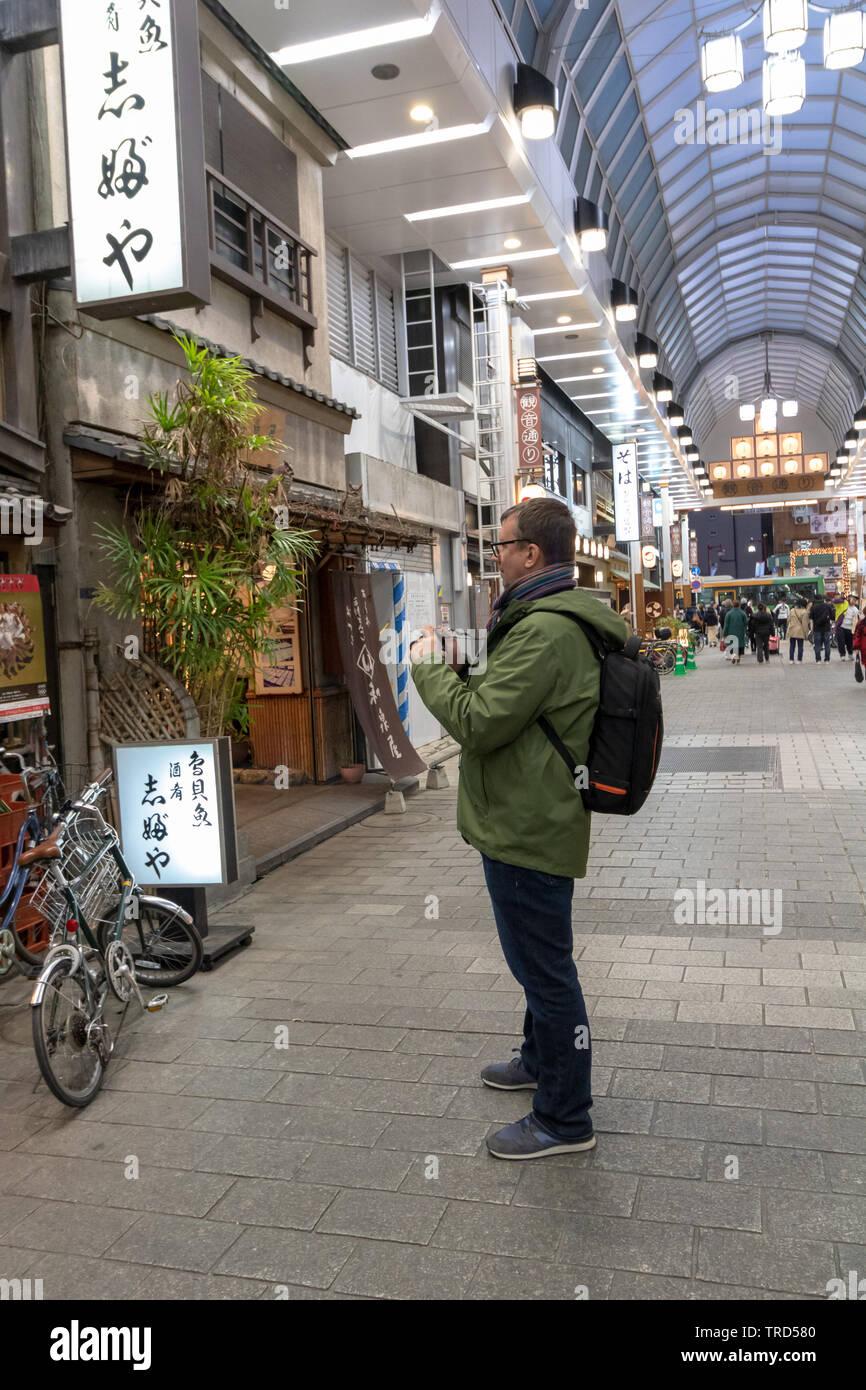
(549, 525)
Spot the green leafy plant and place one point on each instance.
(203, 563)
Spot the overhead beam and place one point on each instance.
(29, 24)
(40, 256)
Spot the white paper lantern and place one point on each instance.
(786, 25)
(722, 62)
(747, 412)
(844, 40)
(784, 84)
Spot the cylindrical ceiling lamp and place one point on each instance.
(784, 84)
(747, 412)
(844, 39)
(624, 301)
(646, 351)
(790, 408)
(860, 418)
(842, 458)
(676, 416)
(591, 225)
(663, 388)
(685, 436)
(692, 455)
(722, 62)
(536, 102)
(786, 25)
(851, 440)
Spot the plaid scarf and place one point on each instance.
(551, 580)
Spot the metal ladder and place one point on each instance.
(491, 361)
(419, 316)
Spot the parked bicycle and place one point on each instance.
(39, 820)
(108, 937)
(661, 654)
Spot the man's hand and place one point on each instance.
(425, 646)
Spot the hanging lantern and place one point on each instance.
(784, 84)
(722, 62)
(786, 25)
(844, 39)
(536, 102)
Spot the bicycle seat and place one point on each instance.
(663, 634)
(47, 849)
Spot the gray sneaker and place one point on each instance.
(509, 1076)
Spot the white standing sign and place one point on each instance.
(137, 203)
(176, 813)
(625, 492)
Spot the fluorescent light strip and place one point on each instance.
(571, 356)
(566, 328)
(549, 294)
(357, 40)
(425, 137)
(588, 376)
(505, 258)
(429, 214)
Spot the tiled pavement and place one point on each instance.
(729, 1071)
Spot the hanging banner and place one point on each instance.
(23, 676)
(647, 528)
(529, 444)
(177, 812)
(676, 541)
(135, 154)
(369, 687)
(625, 493)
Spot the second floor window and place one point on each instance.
(361, 317)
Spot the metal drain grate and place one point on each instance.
(763, 759)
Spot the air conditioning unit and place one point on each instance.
(834, 504)
(800, 518)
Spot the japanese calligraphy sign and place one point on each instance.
(625, 493)
(369, 687)
(530, 451)
(647, 524)
(766, 487)
(177, 812)
(135, 153)
(23, 689)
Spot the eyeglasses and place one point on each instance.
(496, 546)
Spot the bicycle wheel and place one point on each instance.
(70, 1049)
(667, 661)
(18, 926)
(165, 951)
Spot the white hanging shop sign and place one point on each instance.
(626, 498)
(135, 155)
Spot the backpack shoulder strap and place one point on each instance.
(601, 649)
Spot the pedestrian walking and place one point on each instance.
(781, 613)
(860, 648)
(518, 806)
(798, 629)
(762, 626)
(821, 617)
(712, 621)
(736, 625)
(846, 628)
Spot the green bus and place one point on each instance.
(767, 590)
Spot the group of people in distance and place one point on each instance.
(735, 622)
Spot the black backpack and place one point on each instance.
(626, 741)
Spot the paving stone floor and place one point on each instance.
(352, 1164)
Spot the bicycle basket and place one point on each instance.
(85, 836)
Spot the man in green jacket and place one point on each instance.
(519, 806)
(736, 627)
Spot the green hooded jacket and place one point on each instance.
(517, 802)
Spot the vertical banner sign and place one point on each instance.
(647, 529)
(530, 453)
(676, 541)
(852, 529)
(693, 552)
(177, 812)
(625, 493)
(135, 153)
(369, 687)
(23, 689)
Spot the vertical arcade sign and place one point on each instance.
(529, 446)
(625, 493)
(135, 155)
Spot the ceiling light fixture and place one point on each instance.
(844, 39)
(722, 62)
(591, 225)
(860, 418)
(536, 103)
(851, 440)
(790, 408)
(564, 318)
(593, 323)
(676, 416)
(357, 40)
(786, 25)
(685, 437)
(550, 294)
(784, 84)
(421, 113)
(624, 301)
(496, 260)
(663, 388)
(424, 137)
(455, 209)
(646, 351)
(570, 356)
(512, 243)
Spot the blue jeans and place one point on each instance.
(823, 640)
(533, 918)
(798, 643)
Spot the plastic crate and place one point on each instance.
(10, 825)
(32, 928)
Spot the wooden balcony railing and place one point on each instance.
(255, 253)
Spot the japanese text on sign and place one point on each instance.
(170, 813)
(625, 493)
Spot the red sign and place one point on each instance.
(531, 452)
(693, 552)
